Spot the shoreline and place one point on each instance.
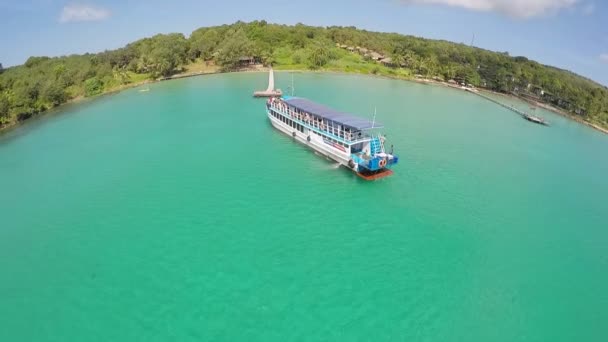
(257, 68)
(6, 128)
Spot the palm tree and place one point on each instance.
(421, 66)
(431, 65)
(449, 71)
(398, 60)
(319, 56)
(409, 59)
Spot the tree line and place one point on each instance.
(43, 82)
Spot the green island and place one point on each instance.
(43, 83)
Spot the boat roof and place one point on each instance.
(320, 110)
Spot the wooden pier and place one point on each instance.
(523, 114)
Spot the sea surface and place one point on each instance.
(180, 214)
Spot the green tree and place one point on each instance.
(4, 106)
(431, 65)
(59, 70)
(54, 94)
(25, 95)
(449, 71)
(420, 66)
(235, 47)
(318, 56)
(299, 56)
(93, 86)
(398, 60)
(159, 55)
(34, 61)
(203, 43)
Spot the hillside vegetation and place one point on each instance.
(43, 83)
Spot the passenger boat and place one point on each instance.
(342, 137)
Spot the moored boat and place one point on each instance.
(349, 140)
(535, 119)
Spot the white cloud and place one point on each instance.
(81, 12)
(589, 8)
(514, 8)
(604, 57)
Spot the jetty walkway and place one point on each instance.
(509, 107)
(531, 118)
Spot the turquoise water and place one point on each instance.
(180, 214)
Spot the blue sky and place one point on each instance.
(570, 34)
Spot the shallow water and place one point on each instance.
(180, 214)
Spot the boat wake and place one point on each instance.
(332, 166)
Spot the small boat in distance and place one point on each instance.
(144, 90)
(270, 92)
(342, 137)
(535, 119)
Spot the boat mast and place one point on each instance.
(374, 119)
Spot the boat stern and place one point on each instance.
(375, 167)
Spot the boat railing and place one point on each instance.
(320, 127)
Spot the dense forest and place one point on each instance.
(44, 82)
